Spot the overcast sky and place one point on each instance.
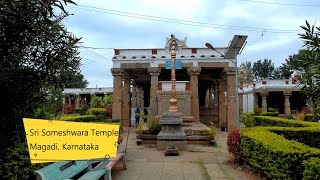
(272, 28)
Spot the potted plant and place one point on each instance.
(223, 126)
(212, 133)
(139, 132)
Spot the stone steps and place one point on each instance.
(187, 121)
(187, 124)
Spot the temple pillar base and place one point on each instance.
(171, 134)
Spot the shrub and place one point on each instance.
(273, 114)
(312, 169)
(100, 113)
(276, 121)
(96, 102)
(257, 110)
(41, 113)
(271, 109)
(80, 118)
(68, 109)
(309, 135)
(234, 144)
(84, 110)
(248, 120)
(15, 163)
(310, 117)
(212, 131)
(139, 129)
(77, 110)
(154, 127)
(290, 117)
(302, 116)
(109, 111)
(273, 155)
(305, 110)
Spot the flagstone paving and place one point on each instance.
(196, 163)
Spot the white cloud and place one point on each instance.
(105, 30)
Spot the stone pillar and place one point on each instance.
(287, 109)
(215, 95)
(91, 97)
(138, 96)
(264, 95)
(142, 96)
(77, 101)
(117, 93)
(64, 100)
(207, 97)
(210, 96)
(240, 105)
(255, 100)
(69, 99)
(154, 74)
(194, 73)
(232, 103)
(222, 116)
(126, 102)
(134, 96)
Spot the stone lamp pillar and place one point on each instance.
(171, 135)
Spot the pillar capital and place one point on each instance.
(117, 71)
(287, 93)
(154, 71)
(230, 71)
(194, 70)
(264, 94)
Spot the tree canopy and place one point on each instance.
(37, 54)
(311, 62)
(263, 69)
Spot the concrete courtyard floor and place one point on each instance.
(196, 163)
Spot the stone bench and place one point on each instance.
(82, 170)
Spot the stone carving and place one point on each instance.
(154, 71)
(117, 71)
(194, 70)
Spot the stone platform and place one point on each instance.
(196, 134)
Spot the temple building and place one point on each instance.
(79, 97)
(283, 95)
(205, 82)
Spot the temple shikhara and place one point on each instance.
(205, 82)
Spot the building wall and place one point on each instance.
(247, 102)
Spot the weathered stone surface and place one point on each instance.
(188, 132)
(171, 133)
(171, 151)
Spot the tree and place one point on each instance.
(292, 63)
(311, 61)
(247, 65)
(36, 51)
(263, 69)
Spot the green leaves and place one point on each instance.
(263, 69)
(273, 154)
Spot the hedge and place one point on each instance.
(100, 113)
(309, 135)
(77, 110)
(310, 117)
(274, 155)
(312, 169)
(276, 121)
(273, 114)
(80, 118)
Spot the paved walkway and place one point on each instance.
(197, 163)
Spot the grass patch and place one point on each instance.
(204, 170)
